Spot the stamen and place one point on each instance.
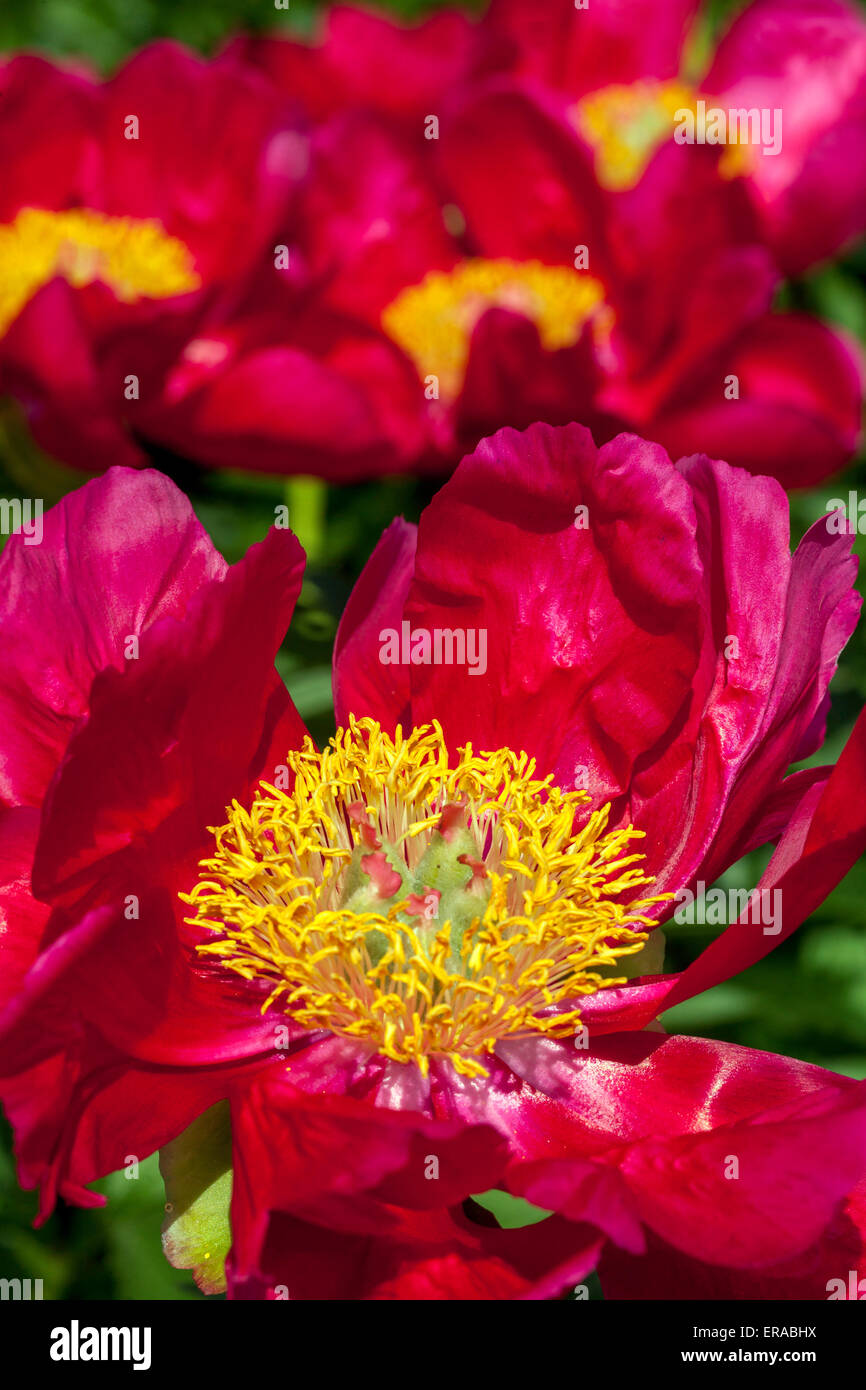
(134, 258)
(433, 321)
(401, 948)
(626, 123)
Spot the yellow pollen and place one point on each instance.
(134, 258)
(500, 942)
(433, 321)
(625, 125)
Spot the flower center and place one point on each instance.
(426, 909)
(625, 125)
(433, 321)
(136, 259)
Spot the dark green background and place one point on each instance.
(808, 999)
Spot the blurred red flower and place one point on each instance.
(549, 251)
(131, 210)
(283, 273)
(620, 72)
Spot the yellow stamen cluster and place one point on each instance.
(625, 125)
(272, 898)
(134, 258)
(433, 321)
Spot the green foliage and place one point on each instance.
(104, 31)
(196, 1168)
(113, 1252)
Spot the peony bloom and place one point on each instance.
(130, 212)
(626, 78)
(367, 61)
(495, 280)
(673, 321)
(335, 293)
(423, 962)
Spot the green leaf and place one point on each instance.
(511, 1212)
(197, 1172)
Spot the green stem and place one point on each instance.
(307, 499)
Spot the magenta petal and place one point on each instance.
(341, 401)
(627, 1007)
(598, 45)
(777, 627)
(48, 360)
(511, 379)
(665, 1273)
(806, 58)
(219, 158)
(364, 59)
(57, 108)
(363, 685)
(798, 415)
(633, 1086)
(820, 845)
(578, 621)
(341, 1160)
(791, 1176)
(205, 702)
(643, 1127)
(116, 556)
(550, 184)
(584, 1192)
(591, 571)
(784, 805)
(372, 216)
(22, 918)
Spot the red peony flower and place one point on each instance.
(131, 211)
(368, 61)
(625, 72)
(423, 963)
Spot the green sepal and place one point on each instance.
(196, 1168)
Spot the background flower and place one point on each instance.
(131, 210)
(538, 247)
